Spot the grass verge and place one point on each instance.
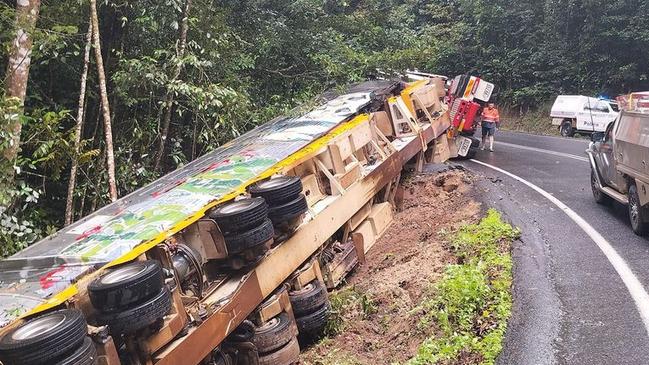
(533, 121)
(472, 302)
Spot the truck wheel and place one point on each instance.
(222, 359)
(287, 211)
(85, 355)
(126, 285)
(566, 129)
(273, 334)
(238, 242)
(44, 339)
(289, 354)
(278, 190)
(240, 215)
(311, 326)
(599, 196)
(309, 299)
(140, 316)
(243, 333)
(637, 214)
(472, 153)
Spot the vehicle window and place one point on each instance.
(602, 107)
(615, 107)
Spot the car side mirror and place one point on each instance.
(597, 136)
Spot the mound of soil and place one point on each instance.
(400, 270)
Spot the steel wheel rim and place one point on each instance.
(38, 326)
(272, 183)
(593, 185)
(120, 275)
(634, 211)
(236, 206)
(270, 324)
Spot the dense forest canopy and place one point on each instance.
(183, 76)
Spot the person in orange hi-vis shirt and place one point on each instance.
(490, 119)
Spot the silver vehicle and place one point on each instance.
(619, 159)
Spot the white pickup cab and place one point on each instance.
(582, 114)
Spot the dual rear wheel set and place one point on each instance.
(250, 226)
(57, 338)
(277, 342)
(128, 299)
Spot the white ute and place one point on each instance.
(582, 114)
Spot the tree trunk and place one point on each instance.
(69, 203)
(108, 129)
(169, 97)
(16, 85)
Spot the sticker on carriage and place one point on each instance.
(90, 224)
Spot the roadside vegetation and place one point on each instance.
(459, 317)
(536, 121)
(472, 302)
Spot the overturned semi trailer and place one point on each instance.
(226, 260)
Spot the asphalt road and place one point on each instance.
(570, 305)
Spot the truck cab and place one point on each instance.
(582, 114)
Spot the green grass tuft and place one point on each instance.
(473, 300)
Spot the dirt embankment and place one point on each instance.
(377, 318)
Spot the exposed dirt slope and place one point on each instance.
(378, 320)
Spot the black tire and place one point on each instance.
(238, 242)
(599, 196)
(311, 326)
(274, 334)
(472, 153)
(44, 339)
(126, 285)
(566, 129)
(243, 333)
(308, 300)
(289, 354)
(637, 213)
(84, 355)
(222, 359)
(240, 215)
(287, 211)
(278, 190)
(140, 316)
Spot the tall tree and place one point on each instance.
(15, 81)
(181, 45)
(105, 107)
(69, 203)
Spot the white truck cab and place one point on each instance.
(582, 114)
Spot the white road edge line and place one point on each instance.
(637, 291)
(561, 154)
